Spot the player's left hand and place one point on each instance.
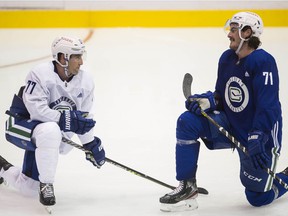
(256, 149)
(97, 158)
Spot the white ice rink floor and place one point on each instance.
(138, 75)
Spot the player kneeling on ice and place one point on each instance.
(57, 100)
(246, 103)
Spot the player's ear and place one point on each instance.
(61, 58)
(247, 33)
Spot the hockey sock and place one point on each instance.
(186, 160)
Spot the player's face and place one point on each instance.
(233, 36)
(75, 62)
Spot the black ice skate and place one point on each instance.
(46, 194)
(182, 198)
(5, 165)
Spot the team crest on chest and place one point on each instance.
(236, 94)
(63, 103)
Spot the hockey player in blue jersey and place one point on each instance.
(246, 103)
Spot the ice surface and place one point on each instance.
(138, 75)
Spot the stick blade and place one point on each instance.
(187, 82)
(202, 191)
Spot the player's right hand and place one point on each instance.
(75, 121)
(197, 102)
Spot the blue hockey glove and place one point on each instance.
(204, 101)
(97, 158)
(75, 121)
(256, 149)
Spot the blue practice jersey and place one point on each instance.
(249, 92)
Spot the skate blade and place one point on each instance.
(48, 209)
(185, 205)
(4, 182)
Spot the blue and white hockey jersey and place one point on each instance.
(45, 95)
(249, 92)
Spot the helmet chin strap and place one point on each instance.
(65, 68)
(241, 43)
(239, 47)
(67, 73)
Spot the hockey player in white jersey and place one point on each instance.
(57, 100)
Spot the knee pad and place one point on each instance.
(189, 126)
(47, 134)
(258, 199)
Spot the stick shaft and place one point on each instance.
(243, 149)
(135, 172)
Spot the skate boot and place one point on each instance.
(182, 198)
(5, 165)
(46, 194)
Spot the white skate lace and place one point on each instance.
(178, 189)
(47, 191)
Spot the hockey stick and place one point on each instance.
(72, 143)
(187, 82)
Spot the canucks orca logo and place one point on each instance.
(63, 103)
(236, 94)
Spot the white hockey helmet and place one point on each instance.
(247, 19)
(68, 46)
